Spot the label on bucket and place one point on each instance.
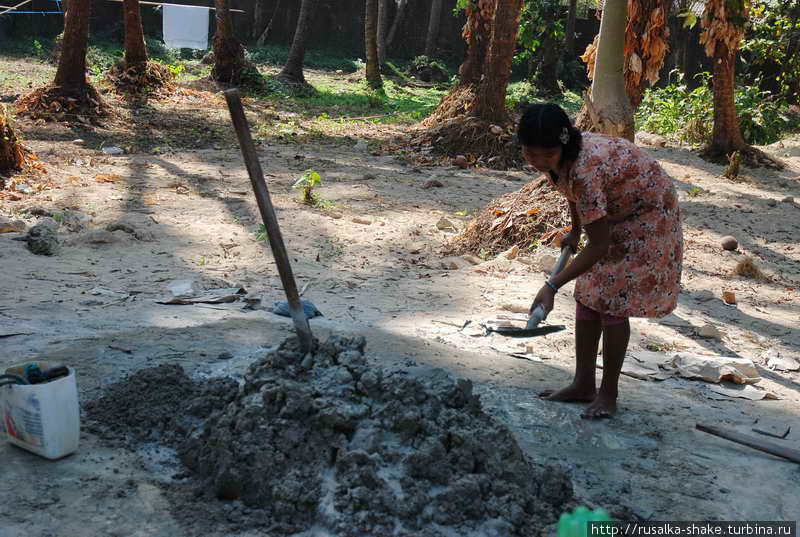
(24, 421)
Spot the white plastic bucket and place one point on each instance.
(42, 418)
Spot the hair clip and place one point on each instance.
(564, 138)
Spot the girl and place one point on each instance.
(631, 267)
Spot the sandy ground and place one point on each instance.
(382, 277)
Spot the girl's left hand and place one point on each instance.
(546, 296)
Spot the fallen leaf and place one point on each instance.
(108, 178)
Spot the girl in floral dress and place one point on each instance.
(631, 267)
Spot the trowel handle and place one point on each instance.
(538, 315)
(563, 259)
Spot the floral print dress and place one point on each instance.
(640, 274)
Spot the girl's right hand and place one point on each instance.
(572, 239)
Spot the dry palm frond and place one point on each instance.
(533, 215)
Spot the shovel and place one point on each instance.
(538, 315)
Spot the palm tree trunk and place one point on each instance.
(228, 52)
(259, 13)
(371, 43)
(609, 106)
(263, 37)
(293, 70)
(135, 48)
(569, 32)
(490, 104)
(383, 16)
(398, 20)
(478, 31)
(727, 135)
(71, 72)
(434, 22)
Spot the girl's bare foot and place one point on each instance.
(603, 406)
(571, 394)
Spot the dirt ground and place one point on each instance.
(371, 265)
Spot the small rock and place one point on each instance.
(729, 297)
(432, 183)
(11, 226)
(778, 362)
(497, 130)
(224, 356)
(369, 177)
(772, 203)
(362, 221)
(729, 243)
(78, 141)
(709, 331)
(788, 199)
(99, 236)
(472, 260)
(113, 150)
(454, 263)
(42, 238)
(647, 138)
(460, 161)
(445, 225)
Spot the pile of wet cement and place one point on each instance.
(157, 404)
(325, 440)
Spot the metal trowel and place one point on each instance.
(532, 329)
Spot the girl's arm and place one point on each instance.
(599, 240)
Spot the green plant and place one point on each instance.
(463, 212)
(695, 191)
(688, 114)
(484, 254)
(309, 180)
(261, 234)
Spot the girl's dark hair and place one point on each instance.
(542, 125)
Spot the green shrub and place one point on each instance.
(687, 115)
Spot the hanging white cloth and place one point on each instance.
(186, 27)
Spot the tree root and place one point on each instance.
(150, 78)
(750, 157)
(482, 143)
(55, 103)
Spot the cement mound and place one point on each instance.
(158, 404)
(327, 441)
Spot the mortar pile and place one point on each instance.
(326, 440)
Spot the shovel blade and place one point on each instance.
(513, 331)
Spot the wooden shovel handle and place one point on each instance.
(756, 443)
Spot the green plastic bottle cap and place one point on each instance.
(575, 524)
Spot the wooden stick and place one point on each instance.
(181, 5)
(756, 443)
(16, 7)
(268, 216)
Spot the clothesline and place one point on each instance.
(15, 7)
(182, 5)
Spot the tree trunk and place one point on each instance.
(569, 32)
(727, 136)
(259, 14)
(371, 42)
(608, 105)
(228, 52)
(478, 32)
(135, 48)
(383, 19)
(646, 35)
(398, 20)
(71, 72)
(293, 70)
(434, 22)
(548, 73)
(263, 37)
(490, 104)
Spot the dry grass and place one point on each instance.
(533, 215)
(748, 269)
